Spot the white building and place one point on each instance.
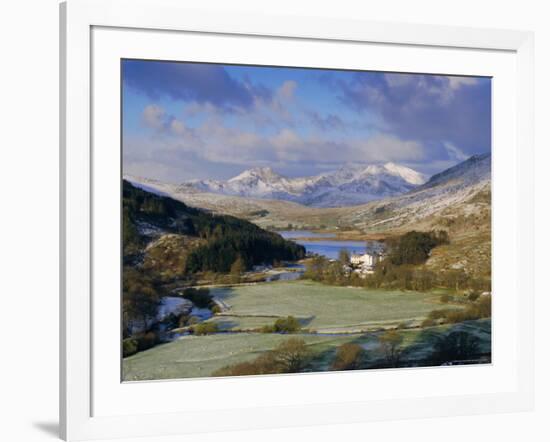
(365, 263)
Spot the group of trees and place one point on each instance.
(236, 248)
(321, 269)
(200, 297)
(283, 325)
(140, 300)
(414, 247)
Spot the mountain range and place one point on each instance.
(448, 193)
(347, 186)
(458, 191)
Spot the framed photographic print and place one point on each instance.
(321, 220)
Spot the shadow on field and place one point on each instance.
(460, 344)
(226, 324)
(305, 321)
(225, 293)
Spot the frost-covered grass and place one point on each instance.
(322, 308)
(200, 356)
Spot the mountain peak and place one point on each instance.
(264, 173)
(409, 175)
(351, 184)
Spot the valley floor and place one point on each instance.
(330, 316)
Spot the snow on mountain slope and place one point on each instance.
(349, 185)
(462, 190)
(220, 203)
(475, 168)
(152, 186)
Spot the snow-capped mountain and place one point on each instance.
(462, 190)
(349, 185)
(459, 190)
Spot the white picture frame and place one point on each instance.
(80, 378)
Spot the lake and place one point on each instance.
(329, 247)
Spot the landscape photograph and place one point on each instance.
(286, 220)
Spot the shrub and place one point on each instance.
(286, 325)
(263, 364)
(446, 298)
(267, 329)
(129, 347)
(292, 356)
(390, 344)
(205, 328)
(348, 357)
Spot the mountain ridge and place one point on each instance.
(348, 185)
(445, 194)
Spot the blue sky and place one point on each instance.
(190, 120)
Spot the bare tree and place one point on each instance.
(390, 343)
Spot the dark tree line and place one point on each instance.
(415, 247)
(249, 246)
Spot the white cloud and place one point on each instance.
(173, 142)
(153, 116)
(454, 152)
(457, 82)
(177, 127)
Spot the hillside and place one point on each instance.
(262, 212)
(160, 233)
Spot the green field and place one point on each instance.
(333, 315)
(200, 356)
(322, 308)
